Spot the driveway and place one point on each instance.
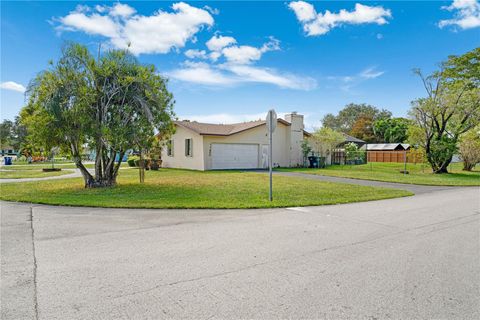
(408, 258)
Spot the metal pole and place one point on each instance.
(270, 160)
(405, 162)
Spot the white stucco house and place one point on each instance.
(205, 146)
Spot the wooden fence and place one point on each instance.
(393, 156)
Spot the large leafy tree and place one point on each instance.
(351, 114)
(469, 148)
(391, 130)
(325, 140)
(451, 107)
(13, 134)
(363, 129)
(6, 128)
(112, 104)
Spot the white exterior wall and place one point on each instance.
(287, 141)
(258, 136)
(179, 160)
(295, 139)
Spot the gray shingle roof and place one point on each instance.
(223, 129)
(349, 138)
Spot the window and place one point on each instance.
(170, 148)
(189, 147)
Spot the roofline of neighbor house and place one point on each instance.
(229, 134)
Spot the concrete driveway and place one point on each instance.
(407, 258)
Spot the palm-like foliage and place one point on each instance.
(112, 103)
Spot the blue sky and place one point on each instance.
(232, 61)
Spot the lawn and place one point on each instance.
(390, 172)
(18, 172)
(169, 188)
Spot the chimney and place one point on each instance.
(296, 138)
(296, 120)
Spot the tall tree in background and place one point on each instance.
(12, 134)
(394, 130)
(363, 129)
(451, 108)
(469, 148)
(355, 115)
(112, 103)
(6, 130)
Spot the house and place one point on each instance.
(206, 146)
(350, 139)
(8, 151)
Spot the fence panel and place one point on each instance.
(393, 156)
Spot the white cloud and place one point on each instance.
(231, 74)
(346, 83)
(315, 24)
(157, 33)
(122, 10)
(303, 10)
(217, 43)
(370, 73)
(248, 54)
(466, 14)
(13, 86)
(202, 73)
(194, 53)
(94, 24)
(265, 75)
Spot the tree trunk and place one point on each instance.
(467, 166)
(443, 168)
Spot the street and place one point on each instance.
(407, 258)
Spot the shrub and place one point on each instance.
(132, 161)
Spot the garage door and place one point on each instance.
(234, 156)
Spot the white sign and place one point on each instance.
(271, 120)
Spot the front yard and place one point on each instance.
(169, 188)
(390, 172)
(29, 171)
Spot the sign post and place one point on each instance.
(271, 125)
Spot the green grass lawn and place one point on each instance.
(390, 172)
(19, 172)
(168, 188)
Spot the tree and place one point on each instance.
(326, 139)
(391, 130)
(6, 128)
(12, 134)
(306, 149)
(469, 148)
(353, 153)
(347, 117)
(112, 104)
(363, 129)
(451, 108)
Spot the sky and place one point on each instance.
(232, 61)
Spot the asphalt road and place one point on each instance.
(409, 258)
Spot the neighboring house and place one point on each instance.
(8, 151)
(205, 146)
(349, 139)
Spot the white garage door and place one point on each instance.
(234, 156)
